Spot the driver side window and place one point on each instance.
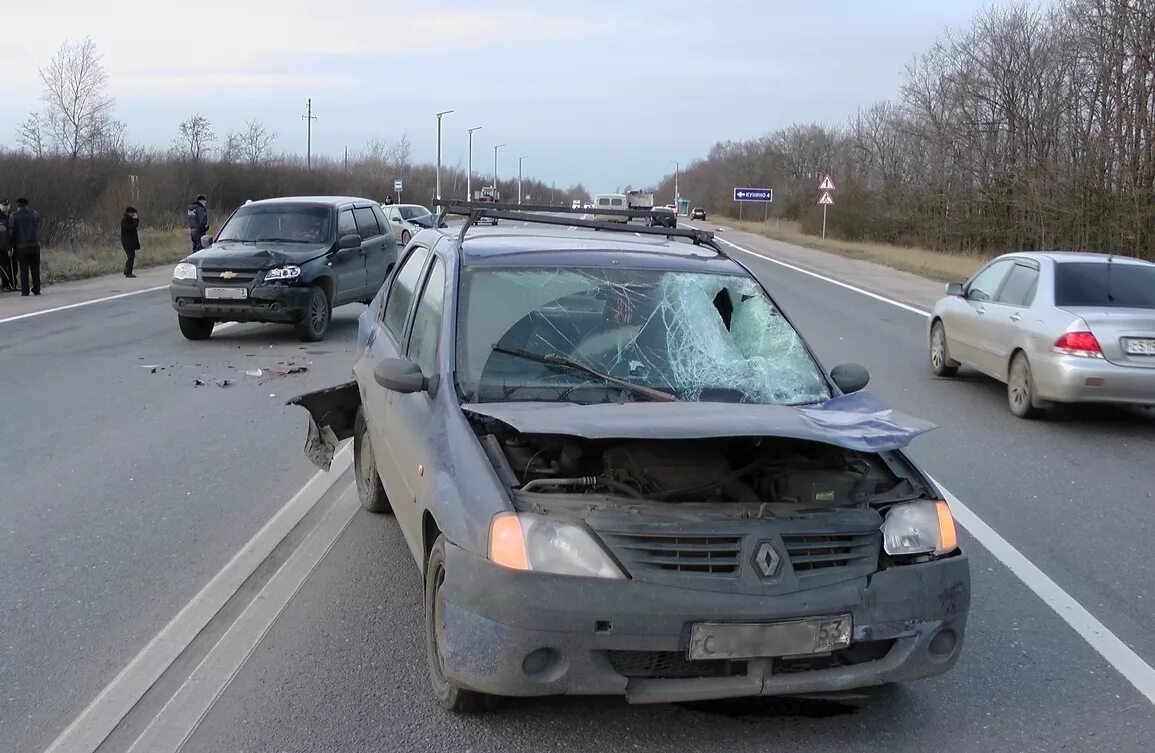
(346, 224)
(986, 283)
(401, 294)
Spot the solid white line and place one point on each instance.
(183, 713)
(112, 704)
(81, 303)
(1097, 635)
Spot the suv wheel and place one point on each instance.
(314, 321)
(449, 695)
(369, 488)
(194, 328)
(940, 360)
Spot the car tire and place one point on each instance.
(195, 328)
(405, 237)
(1021, 388)
(314, 321)
(369, 488)
(448, 695)
(941, 364)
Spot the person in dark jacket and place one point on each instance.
(24, 240)
(129, 238)
(7, 263)
(198, 221)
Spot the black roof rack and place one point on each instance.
(546, 214)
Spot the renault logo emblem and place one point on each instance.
(766, 560)
(228, 274)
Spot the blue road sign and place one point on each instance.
(753, 194)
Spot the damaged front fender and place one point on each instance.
(332, 413)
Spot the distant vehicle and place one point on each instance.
(288, 260)
(699, 213)
(640, 199)
(588, 205)
(672, 208)
(610, 201)
(408, 219)
(577, 204)
(1055, 327)
(488, 193)
(663, 217)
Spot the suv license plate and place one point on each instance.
(1139, 346)
(233, 294)
(732, 640)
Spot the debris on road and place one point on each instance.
(254, 372)
(283, 369)
(224, 382)
(198, 383)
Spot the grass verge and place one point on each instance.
(158, 247)
(936, 265)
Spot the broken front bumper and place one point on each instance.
(525, 634)
(265, 303)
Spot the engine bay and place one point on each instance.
(772, 470)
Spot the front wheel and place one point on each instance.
(940, 360)
(1021, 389)
(369, 488)
(405, 236)
(194, 328)
(314, 321)
(449, 696)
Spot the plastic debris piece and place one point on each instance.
(224, 382)
(198, 383)
(254, 372)
(282, 369)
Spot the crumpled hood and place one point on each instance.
(264, 256)
(855, 422)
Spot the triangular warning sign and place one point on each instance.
(826, 185)
(826, 199)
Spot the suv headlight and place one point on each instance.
(923, 527)
(185, 271)
(287, 272)
(523, 541)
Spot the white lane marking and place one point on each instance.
(182, 714)
(81, 303)
(1097, 635)
(112, 704)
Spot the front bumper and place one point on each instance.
(265, 303)
(527, 634)
(1074, 379)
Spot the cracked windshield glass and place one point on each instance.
(584, 376)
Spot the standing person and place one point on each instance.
(24, 239)
(129, 238)
(7, 263)
(198, 221)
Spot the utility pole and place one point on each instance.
(309, 118)
(346, 159)
(677, 196)
(519, 160)
(437, 197)
(469, 170)
(495, 191)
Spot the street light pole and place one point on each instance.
(519, 159)
(469, 173)
(677, 196)
(495, 191)
(437, 197)
(309, 117)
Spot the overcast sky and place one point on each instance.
(606, 93)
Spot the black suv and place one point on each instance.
(285, 260)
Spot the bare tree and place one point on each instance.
(76, 97)
(253, 145)
(400, 153)
(30, 135)
(195, 138)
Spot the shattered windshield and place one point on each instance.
(701, 337)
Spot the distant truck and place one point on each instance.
(640, 199)
(487, 193)
(577, 204)
(610, 201)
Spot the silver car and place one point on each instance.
(1055, 327)
(407, 220)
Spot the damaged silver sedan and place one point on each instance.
(621, 471)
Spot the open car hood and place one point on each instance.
(856, 422)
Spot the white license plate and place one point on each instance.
(734, 640)
(1139, 346)
(233, 294)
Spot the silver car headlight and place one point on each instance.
(185, 271)
(923, 527)
(524, 541)
(287, 272)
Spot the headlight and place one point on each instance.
(185, 271)
(924, 527)
(522, 541)
(288, 272)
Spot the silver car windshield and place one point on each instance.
(703, 337)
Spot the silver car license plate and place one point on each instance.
(732, 640)
(1139, 346)
(232, 294)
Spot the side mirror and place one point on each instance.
(955, 289)
(850, 377)
(206, 241)
(400, 375)
(349, 241)
(397, 220)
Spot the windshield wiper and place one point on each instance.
(555, 359)
(279, 240)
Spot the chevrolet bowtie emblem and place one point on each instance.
(228, 274)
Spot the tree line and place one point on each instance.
(77, 166)
(1030, 129)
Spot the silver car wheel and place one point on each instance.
(1020, 388)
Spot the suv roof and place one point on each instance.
(328, 200)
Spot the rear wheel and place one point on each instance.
(194, 328)
(940, 360)
(369, 488)
(449, 695)
(1021, 388)
(314, 321)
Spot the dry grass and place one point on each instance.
(158, 247)
(936, 265)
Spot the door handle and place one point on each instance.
(1015, 317)
(980, 311)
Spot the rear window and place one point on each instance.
(1104, 284)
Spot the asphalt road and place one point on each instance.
(127, 490)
